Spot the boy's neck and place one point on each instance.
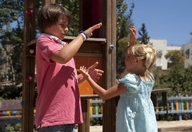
(56, 39)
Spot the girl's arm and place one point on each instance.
(103, 93)
(132, 36)
(80, 78)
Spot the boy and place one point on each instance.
(58, 106)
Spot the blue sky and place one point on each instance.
(164, 19)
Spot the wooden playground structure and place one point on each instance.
(97, 48)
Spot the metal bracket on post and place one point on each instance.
(111, 47)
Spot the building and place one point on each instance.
(187, 48)
(162, 49)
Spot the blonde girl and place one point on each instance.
(135, 111)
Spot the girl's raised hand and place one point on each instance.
(84, 72)
(132, 35)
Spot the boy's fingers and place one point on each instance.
(94, 65)
(91, 29)
(96, 26)
(100, 72)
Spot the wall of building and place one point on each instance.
(187, 48)
(161, 48)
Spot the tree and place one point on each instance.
(178, 79)
(11, 38)
(124, 22)
(73, 7)
(11, 42)
(175, 57)
(143, 38)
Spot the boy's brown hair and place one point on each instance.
(49, 15)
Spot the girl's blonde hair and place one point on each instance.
(146, 53)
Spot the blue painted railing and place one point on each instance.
(176, 105)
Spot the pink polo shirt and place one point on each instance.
(58, 100)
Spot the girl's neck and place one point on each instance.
(144, 78)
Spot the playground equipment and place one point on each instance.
(100, 48)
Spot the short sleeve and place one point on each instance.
(131, 82)
(47, 46)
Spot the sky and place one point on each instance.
(164, 19)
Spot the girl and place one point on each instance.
(135, 111)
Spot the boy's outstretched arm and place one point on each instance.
(67, 52)
(94, 72)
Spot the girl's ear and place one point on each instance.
(137, 59)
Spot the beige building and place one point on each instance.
(162, 49)
(187, 48)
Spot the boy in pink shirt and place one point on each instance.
(58, 106)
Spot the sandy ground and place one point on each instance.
(161, 124)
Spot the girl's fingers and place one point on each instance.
(133, 29)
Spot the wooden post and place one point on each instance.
(176, 104)
(29, 66)
(85, 103)
(155, 101)
(187, 103)
(108, 31)
(28, 69)
(109, 107)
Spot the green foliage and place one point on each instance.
(96, 121)
(13, 127)
(123, 42)
(73, 7)
(10, 11)
(175, 57)
(124, 22)
(10, 92)
(173, 117)
(177, 78)
(143, 35)
(11, 41)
